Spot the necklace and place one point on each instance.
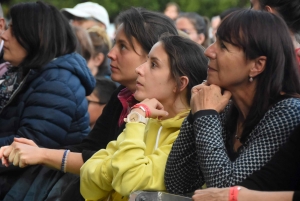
(237, 137)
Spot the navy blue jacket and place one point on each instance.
(50, 107)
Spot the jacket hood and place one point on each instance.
(176, 121)
(76, 64)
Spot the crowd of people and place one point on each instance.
(172, 103)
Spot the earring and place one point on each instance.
(250, 79)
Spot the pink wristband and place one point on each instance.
(233, 193)
(142, 107)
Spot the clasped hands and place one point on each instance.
(205, 97)
(22, 152)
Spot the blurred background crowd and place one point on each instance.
(209, 9)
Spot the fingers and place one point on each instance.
(12, 155)
(159, 113)
(198, 87)
(227, 94)
(7, 150)
(2, 150)
(5, 161)
(22, 163)
(155, 107)
(19, 161)
(25, 141)
(15, 160)
(159, 106)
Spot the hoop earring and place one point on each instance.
(250, 79)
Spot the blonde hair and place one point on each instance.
(100, 40)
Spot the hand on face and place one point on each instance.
(155, 107)
(22, 152)
(211, 194)
(206, 97)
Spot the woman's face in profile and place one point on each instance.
(154, 76)
(13, 51)
(125, 58)
(184, 24)
(228, 66)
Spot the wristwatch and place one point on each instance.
(136, 117)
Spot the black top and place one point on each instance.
(282, 172)
(199, 154)
(105, 130)
(1, 57)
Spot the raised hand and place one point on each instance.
(206, 97)
(156, 109)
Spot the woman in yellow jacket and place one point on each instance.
(136, 160)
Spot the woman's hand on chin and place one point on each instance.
(208, 98)
(155, 107)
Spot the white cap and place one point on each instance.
(90, 9)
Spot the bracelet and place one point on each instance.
(143, 107)
(63, 166)
(233, 193)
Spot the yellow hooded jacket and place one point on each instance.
(135, 161)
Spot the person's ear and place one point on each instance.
(201, 38)
(2, 25)
(98, 60)
(269, 9)
(259, 66)
(184, 81)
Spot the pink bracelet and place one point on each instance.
(143, 107)
(233, 193)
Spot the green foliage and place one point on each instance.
(207, 8)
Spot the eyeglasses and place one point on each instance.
(91, 101)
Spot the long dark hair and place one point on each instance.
(256, 33)
(145, 26)
(42, 31)
(288, 10)
(186, 59)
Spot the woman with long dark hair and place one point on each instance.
(289, 11)
(136, 160)
(140, 30)
(46, 86)
(246, 109)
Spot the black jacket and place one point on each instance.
(105, 130)
(282, 172)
